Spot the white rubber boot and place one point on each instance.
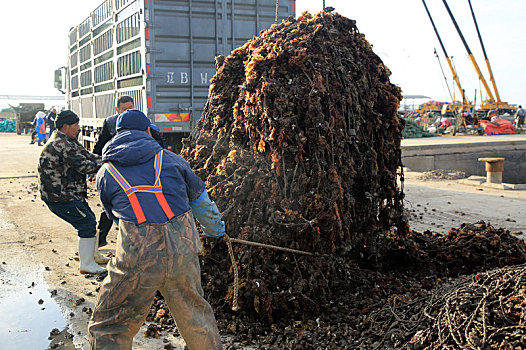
(99, 258)
(87, 263)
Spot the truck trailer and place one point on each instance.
(159, 52)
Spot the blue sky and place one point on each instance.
(34, 42)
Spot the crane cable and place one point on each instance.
(444, 75)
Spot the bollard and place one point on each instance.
(494, 169)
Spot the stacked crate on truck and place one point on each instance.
(159, 52)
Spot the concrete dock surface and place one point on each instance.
(462, 153)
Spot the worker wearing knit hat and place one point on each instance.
(65, 117)
(62, 168)
(155, 196)
(133, 119)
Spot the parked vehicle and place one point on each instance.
(161, 53)
(25, 114)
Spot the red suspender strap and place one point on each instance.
(136, 207)
(158, 165)
(137, 210)
(164, 204)
(131, 190)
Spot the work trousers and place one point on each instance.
(104, 227)
(148, 258)
(33, 136)
(78, 214)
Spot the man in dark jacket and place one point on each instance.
(155, 196)
(519, 117)
(50, 120)
(62, 168)
(109, 129)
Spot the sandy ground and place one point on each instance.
(34, 241)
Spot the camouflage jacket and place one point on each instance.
(62, 169)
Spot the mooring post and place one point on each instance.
(494, 169)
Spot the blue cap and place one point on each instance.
(133, 119)
(155, 127)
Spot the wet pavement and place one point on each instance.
(28, 311)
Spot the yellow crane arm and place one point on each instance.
(481, 77)
(470, 54)
(493, 81)
(455, 77)
(485, 54)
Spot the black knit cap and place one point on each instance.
(65, 117)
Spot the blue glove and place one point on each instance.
(206, 212)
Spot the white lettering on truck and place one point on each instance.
(204, 78)
(170, 78)
(184, 78)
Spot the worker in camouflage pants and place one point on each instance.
(158, 248)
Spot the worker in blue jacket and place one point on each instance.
(155, 196)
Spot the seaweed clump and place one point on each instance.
(299, 145)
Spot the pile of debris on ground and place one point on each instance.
(482, 311)
(299, 145)
(485, 310)
(411, 299)
(442, 174)
(426, 295)
(470, 248)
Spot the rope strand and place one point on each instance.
(262, 245)
(229, 241)
(235, 307)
